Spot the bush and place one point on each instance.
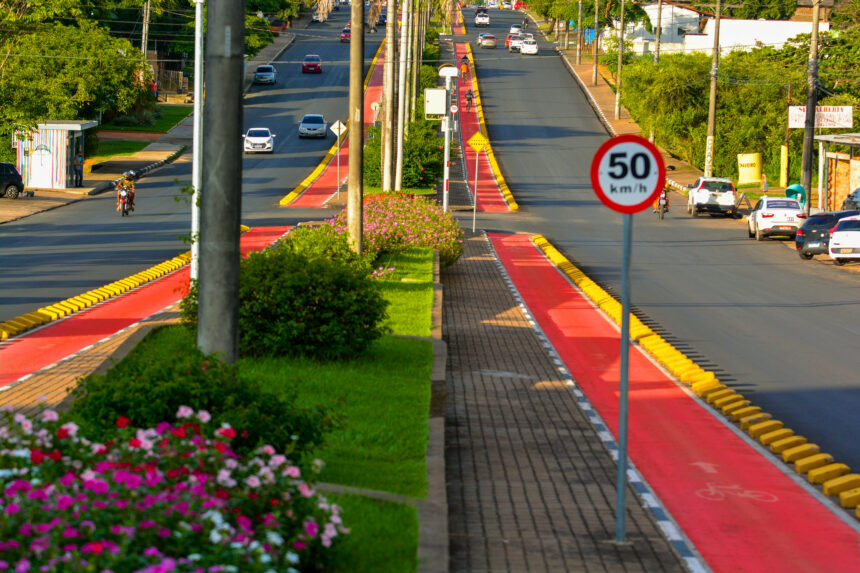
(163, 498)
(423, 155)
(395, 223)
(373, 157)
(325, 242)
(168, 371)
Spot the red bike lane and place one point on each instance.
(34, 350)
(325, 186)
(740, 511)
(489, 196)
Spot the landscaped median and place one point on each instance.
(836, 479)
(491, 156)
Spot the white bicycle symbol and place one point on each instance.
(716, 492)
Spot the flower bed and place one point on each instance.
(170, 498)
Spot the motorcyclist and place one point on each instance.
(525, 24)
(665, 194)
(127, 184)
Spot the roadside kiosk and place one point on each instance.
(45, 155)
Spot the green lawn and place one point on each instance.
(409, 291)
(170, 116)
(407, 191)
(111, 148)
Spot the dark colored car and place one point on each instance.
(813, 237)
(852, 201)
(312, 63)
(11, 184)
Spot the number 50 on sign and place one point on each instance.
(628, 173)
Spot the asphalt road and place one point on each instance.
(781, 331)
(61, 253)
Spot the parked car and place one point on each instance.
(317, 17)
(313, 125)
(516, 43)
(852, 201)
(845, 240)
(11, 183)
(312, 63)
(813, 237)
(266, 75)
(259, 140)
(520, 6)
(506, 5)
(345, 35)
(487, 41)
(712, 195)
(773, 216)
(482, 19)
(529, 46)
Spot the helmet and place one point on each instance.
(129, 175)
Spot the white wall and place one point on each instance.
(748, 34)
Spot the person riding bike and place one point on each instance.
(469, 97)
(127, 184)
(663, 193)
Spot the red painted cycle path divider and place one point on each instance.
(490, 197)
(739, 510)
(325, 186)
(35, 350)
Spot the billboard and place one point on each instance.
(826, 116)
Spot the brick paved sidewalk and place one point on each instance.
(530, 486)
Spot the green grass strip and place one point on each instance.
(409, 291)
(171, 115)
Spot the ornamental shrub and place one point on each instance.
(373, 157)
(395, 223)
(325, 242)
(167, 371)
(173, 497)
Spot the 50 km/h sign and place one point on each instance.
(627, 173)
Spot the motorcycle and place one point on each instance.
(662, 205)
(123, 203)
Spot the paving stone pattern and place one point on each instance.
(530, 486)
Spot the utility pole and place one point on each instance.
(620, 64)
(144, 40)
(197, 143)
(567, 27)
(416, 57)
(811, 102)
(401, 97)
(594, 46)
(407, 81)
(659, 30)
(579, 35)
(221, 207)
(355, 186)
(388, 97)
(712, 104)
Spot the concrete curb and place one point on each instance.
(835, 479)
(106, 185)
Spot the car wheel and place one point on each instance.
(695, 212)
(689, 209)
(804, 255)
(839, 262)
(750, 232)
(758, 235)
(12, 191)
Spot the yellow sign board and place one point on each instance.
(749, 168)
(478, 141)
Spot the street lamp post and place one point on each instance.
(447, 71)
(197, 165)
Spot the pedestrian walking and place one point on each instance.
(78, 166)
(154, 87)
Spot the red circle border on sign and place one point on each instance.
(595, 166)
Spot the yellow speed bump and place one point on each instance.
(728, 401)
(759, 428)
(748, 421)
(702, 389)
(827, 472)
(835, 486)
(53, 313)
(780, 446)
(850, 498)
(717, 394)
(800, 452)
(770, 437)
(742, 413)
(728, 409)
(804, 465)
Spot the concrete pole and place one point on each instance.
(659, 30)
(567, 28)
(620, 65)
(446, 172)
(712, 103)
(416, 58)
(197, 165)
(401, 98)
(221, 208)
(594, 46)
(811, 102)
(579, 35)
(388, 97)
(144, 39)
(355, 188)
(407, 96)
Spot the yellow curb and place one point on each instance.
(700, 387)
(764, 427)
(741, 413)
(837, 485)
(850, 498)
(774, 436)
(827, 473)
(784, 444)
(728, 409)
(717, 394)
(809, 463)
(53, 313)
(70, 306)
(748, 421)
(728, 401)
(706, 391)
(799, 452)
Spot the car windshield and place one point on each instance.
(312, 59)
(716, 185)
(783, 205)
(850, 225)
(489, 37)
(820, 220)
(258, 133)
(318, 119)
(265, 69)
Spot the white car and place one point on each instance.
(529, 47)
(506, 5)
(773, 216)
(845, 240)
(516, 29)
(259, 140)
(482, 19)
(712, 195)
(313, 125)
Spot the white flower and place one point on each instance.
(194, 557)
(292, 557)
(274, 538)
(214, 536)
(265, 558)
(236, 545)
(71, 427)
(213, 516)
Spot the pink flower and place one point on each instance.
(67, 480)
(204, 416)
(311, 528)
(50, 416)
(253, 481)
(184, 412)
(94, 547)
(12, 508)
(305, 490)
(293, 471)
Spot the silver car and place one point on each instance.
(313, 125)
(266, 75)
(487, 41)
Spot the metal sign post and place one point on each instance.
(447, 71)
(477, 142)
(338, 128)
(628, 174)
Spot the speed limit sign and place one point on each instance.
(628, 173)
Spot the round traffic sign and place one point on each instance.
(454, 108)
(628, 173)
